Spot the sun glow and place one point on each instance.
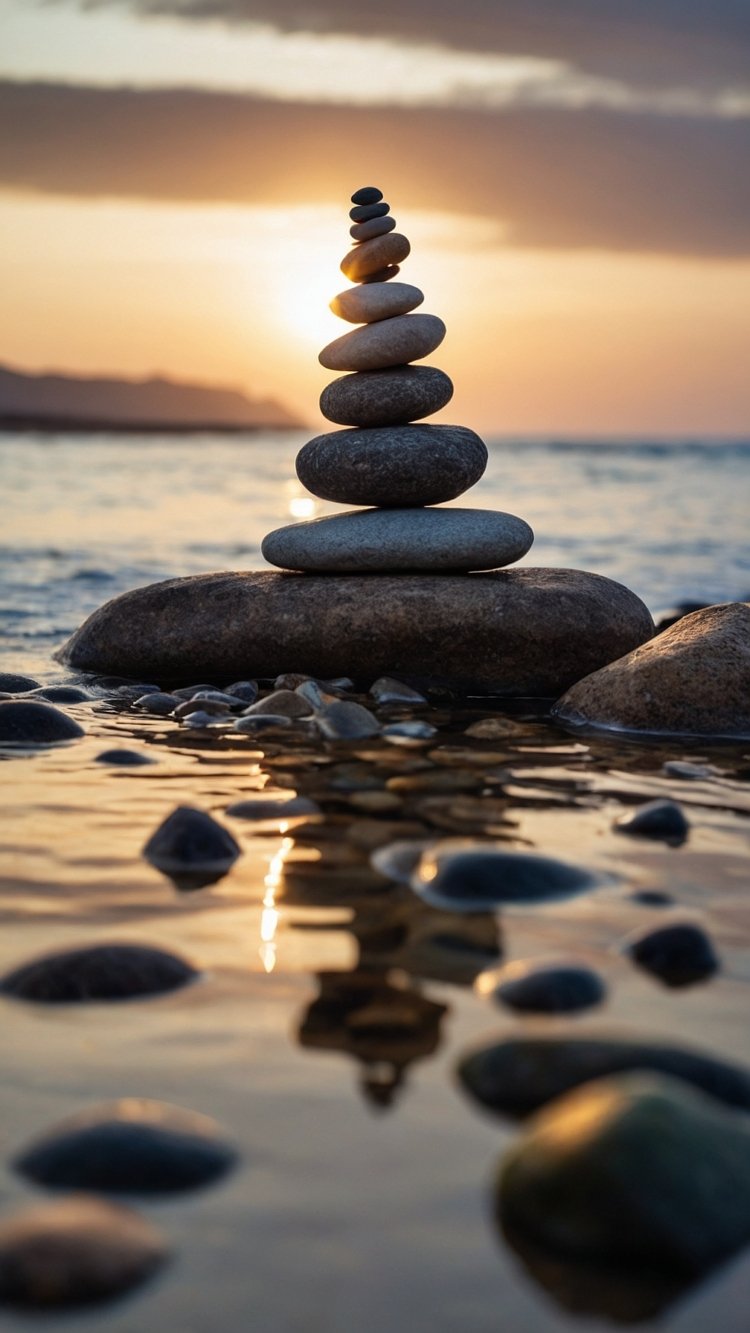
(269, 919)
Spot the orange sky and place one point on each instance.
(591, 263)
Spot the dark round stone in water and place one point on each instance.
(190, 839)
(102, 972)
(551, 989)
(15, 684)
(33, 723)
(131, 1147)
(368, 194)
(364, 212)
(663, 820)
(124, 758)
(652, 898)
(62, 694)
(678, 954)
(484, 879)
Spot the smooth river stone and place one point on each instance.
(389, 342)
(514, 632)
(367, 194)
(399, 466)
(365, 231)
(375, 300)
(386, 397)
(381, 540)
(372, 256)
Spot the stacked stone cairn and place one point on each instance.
(384, 461)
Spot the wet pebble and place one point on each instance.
(637, 1169)
(188, 691)
(156, 705)
(246, 690)
(75, 1252)
(408, 733)
(205, 697)
(284, 703)
(652, 898)
(62, 694)
(191, 840)
(124, 758)
(387, 690)
(679, 954)
(682, 768)
(478, 880)
(521, 1074)
(32, 723)
(493, 728)
(99, 972)
(129, 1147)
(11, 682)
(662, 820)
(257, 722)
(544, 986)
(197, 719)
(204, 707)
(266, 808)
(344, 720)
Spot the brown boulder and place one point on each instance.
(691, 680)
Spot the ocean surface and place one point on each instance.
(87, 517)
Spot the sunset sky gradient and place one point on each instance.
(174, 182)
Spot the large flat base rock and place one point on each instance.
(509, 632)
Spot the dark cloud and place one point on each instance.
(700, 42)
(573, 178)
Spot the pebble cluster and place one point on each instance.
(384, 459)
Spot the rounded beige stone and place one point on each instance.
(371, 256)
(389, 342)
(376, 300)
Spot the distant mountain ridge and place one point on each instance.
(59, 402)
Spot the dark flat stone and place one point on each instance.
(62, 694)
(365, 231)
(364, 212)
(101, 972)
(391, 397)
(12, 683)
(478, 880)
(75, 1252)
(545, 987)
(124, 758)
(662, 820)
(129, 1147)
(680, 953)
(521, 1074)
(367, 194)
(32, 723)
(470, 632)
(396, 466)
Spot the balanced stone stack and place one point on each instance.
(386, 460)
(397, 588)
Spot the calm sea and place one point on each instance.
(87, 517)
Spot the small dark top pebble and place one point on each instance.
(191, 840)
(368, 194)
(364, 212)
(75, 1252)
(545, 988)
(129, 1147)
(678, 954)
(102, 972)
(32, 723)
(15, 684)
(124, 758)
(657, 819)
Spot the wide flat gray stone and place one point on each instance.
(376, 300)
(513, 632)
(386, 397)
(389, 342)
(398, 540)
(398, 466)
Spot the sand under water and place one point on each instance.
(333, 1003)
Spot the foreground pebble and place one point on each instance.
(662, 820)
(482, 879)
(679, 954)
(31, 723)
(400, 541)
(124, 758)
(75, 1252)
(519, 1075)
(101, 972)
(400, 466)
(636, 1170)
(544, 986)
(191, 841)
(132, 1146)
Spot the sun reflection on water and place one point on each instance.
(269, 919)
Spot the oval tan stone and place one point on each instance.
(389, 342)
(371, 256)
(692, 680)
(376, 300)
(514, 632)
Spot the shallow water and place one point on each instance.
(363, 1198)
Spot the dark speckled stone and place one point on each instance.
(512, 632)
(386, 397)
(399, 466)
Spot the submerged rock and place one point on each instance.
(191, 843)
(264, 808)
(30, 723)
(62, 694)
(691, 680)
(637, 1170)
(129, 1147)
(663, 820)
(12, 683)
(514, 632)
(75, 1252)
(679, 954)
(521, 1074)
(544, 986)
(101, 972)
(482, 878)
(124, 758)
(343, 721)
